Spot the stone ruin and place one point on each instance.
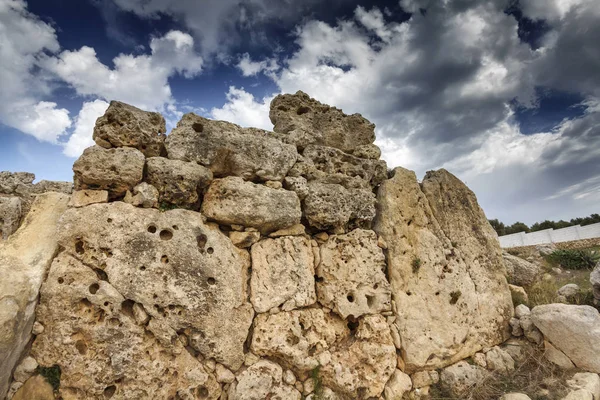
(222, 262)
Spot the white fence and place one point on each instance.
(575, 232)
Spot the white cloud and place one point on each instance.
(140, 80)
(23, 39)
(84, 127)
(241, 108)
(438, 88)
(253, 68)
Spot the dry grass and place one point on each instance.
(533, 375)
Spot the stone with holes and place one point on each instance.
(124, 125)
(178, 182)
(351, 278)
(186, 274)
(329, 206)
(115, 170)
(263, 380)
(233, 201)
(445, 269)
(91, 333)
(357, 364)
(306, 121)
(282, 274)
(227, 149)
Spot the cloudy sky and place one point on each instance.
(503, 93)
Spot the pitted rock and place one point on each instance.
(116, 170)
(306, 121)
(123, 125)
(178, 182)
(282, 274)
(228, 149)
(351, 275)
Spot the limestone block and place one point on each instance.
(85, 197)
(178, 182)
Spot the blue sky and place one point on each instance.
(505, 94)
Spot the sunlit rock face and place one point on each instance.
(228, 262)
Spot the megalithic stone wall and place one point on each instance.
(227, 260)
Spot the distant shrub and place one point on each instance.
(574, 259)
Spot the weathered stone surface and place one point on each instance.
(85, 197)
(397, 386)
(520, 272)
(574, 330)
(586, 381)
(522, 311)
(294, 230)
(424, 378)
(115, 170)
(44, 186)
(545, 249)
(262, 380)
(330, 165)
(595, 281)
(369, 151)
(227, 149)
(498, 360)
(15, 182)
(232, 201)
(282, 274)
(518, 294)
(568, 290)
(178, 182)
(10, 216)
(244, 239)
(351, 275)
(124, 125)
(306, 121)
(556, 356)
(144, 195)
(92, 335)
(445, 270)
(333, 207)
(187, 275)
(25, 369)
(36, 388)
(361, 365)
(295, 338)
(460, 377)
(24, 261)
(579, 394)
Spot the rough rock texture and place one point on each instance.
(351, 275)
(460, 377)
(397, 386)
(556, 356)
(282, 274)
(574, 330)
(306, 121)
(186, 276)
(232, 201)
(498, 360)
(144, 195)
(10, 215)
(329, 206)
(116, 170)
(123, 125)
(81, 198)
(445, 269)
(586, 381)
(328, 164)
(263, 380)
(178, 182)
(24, 261)
(595, 281)
(519, 271)
(227, 149)
(92, 334)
